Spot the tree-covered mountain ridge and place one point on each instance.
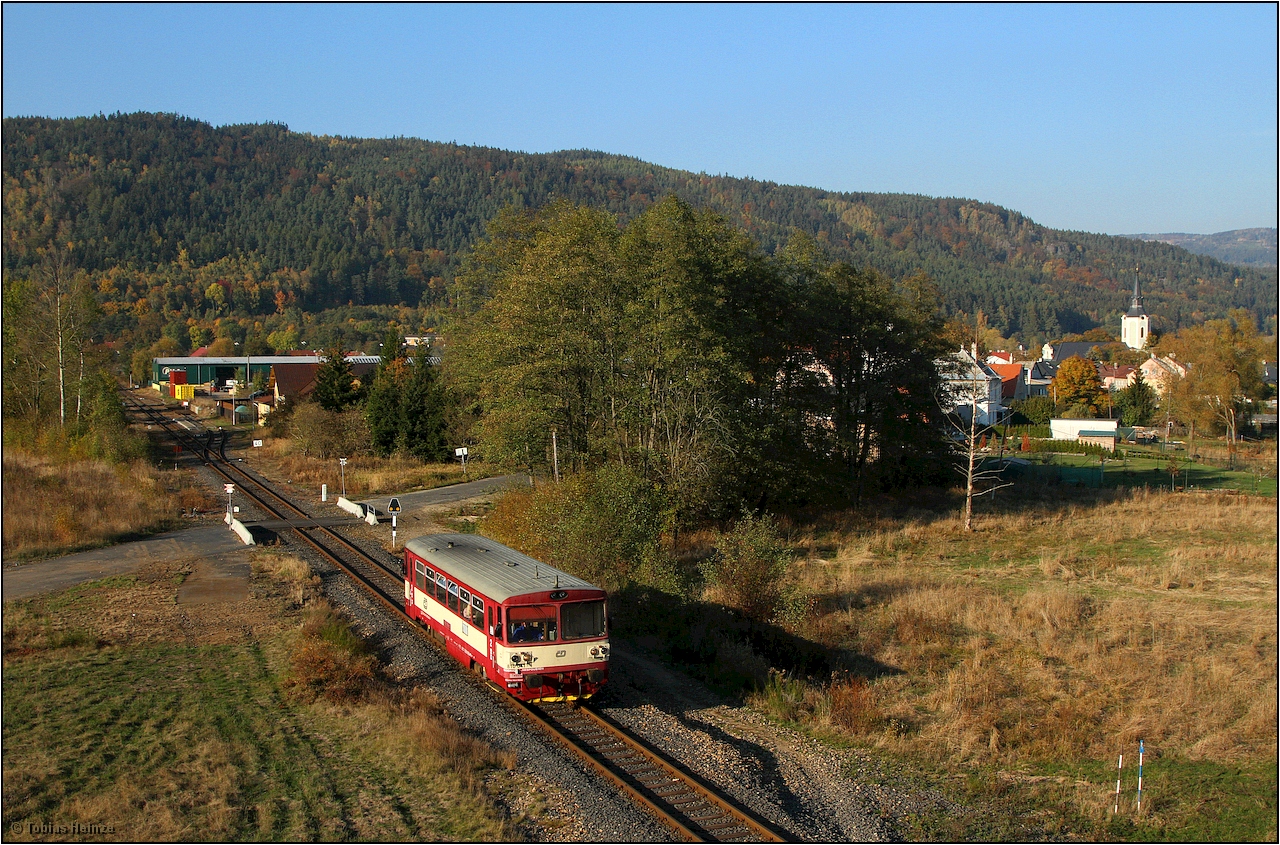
(317, 221)
(1247, 247)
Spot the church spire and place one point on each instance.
(1135, 307)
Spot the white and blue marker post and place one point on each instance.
(1141, 751)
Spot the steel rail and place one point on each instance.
(592, 761)
(694, 808)
(388, 599)
(621, 759)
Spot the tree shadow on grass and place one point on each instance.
(719, 643)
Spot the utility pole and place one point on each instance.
(555, 457)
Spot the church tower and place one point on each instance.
(1135, 326)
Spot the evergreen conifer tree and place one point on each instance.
(1137, 402)
(334, 382)
(423, 409)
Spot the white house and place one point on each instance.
(965, 378)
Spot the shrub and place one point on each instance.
(853, 706)
(604, 525)
(330, 660)
(327, 434)
(748, 569)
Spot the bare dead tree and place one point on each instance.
(977, 481)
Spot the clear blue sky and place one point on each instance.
(1104, 118)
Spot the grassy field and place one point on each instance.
(55, 506)
(366, 475)
(1149, 469)
(1017, 662)
(136, 718)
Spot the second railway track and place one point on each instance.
(694, 809)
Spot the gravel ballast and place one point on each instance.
(809, 790)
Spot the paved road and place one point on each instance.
(452, 493)
(212, 543)
(45, 576)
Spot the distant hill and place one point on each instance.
(281, 219)
(1246, 247)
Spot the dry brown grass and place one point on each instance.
(55, 507)
(1057, 633)
(366, 475)
(329, 661)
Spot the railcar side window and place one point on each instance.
(453, 597)
(464, 605)
(477, 612)
(420, 576)
(441, 590)
(583, 619)
(495, 622)
(531, 623)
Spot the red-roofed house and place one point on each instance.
(1116, 376)
(291, 382)
(1012, 383)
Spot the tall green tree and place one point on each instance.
(863, 356)
(540, 351)
(678, 348)
(423, 409)
(1137, 403)
(335, 383)
(384, 406)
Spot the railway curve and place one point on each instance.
(692, 808)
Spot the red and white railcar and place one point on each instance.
(534, 630)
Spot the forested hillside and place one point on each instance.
(1247, 247)
(192, 222)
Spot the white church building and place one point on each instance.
(1135, 325)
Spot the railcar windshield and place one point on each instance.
(582, 619)
(533, 623)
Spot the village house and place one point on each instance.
(1039, 377)
(1161, 372)
(1013, 382)
(1116, 376)
(966, 379)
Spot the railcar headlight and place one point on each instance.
(515, 660)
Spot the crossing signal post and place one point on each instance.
(393, 508)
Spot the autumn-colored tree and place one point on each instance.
(1224, 373)
(1077, 386)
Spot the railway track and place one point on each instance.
(694, 809)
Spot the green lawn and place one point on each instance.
(1145, 469)
(172, 738)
